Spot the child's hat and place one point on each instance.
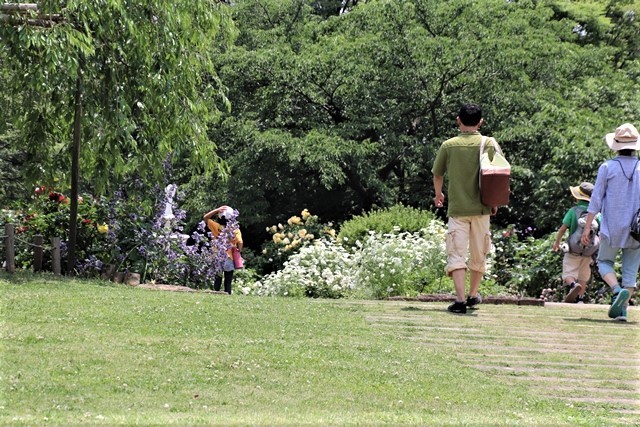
(624, 138)
(583, 192)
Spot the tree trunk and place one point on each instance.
(75, 172)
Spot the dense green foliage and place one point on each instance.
(395, 219)
(308, 105)
(145, 76)
(344, 113)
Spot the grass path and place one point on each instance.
(574, 354)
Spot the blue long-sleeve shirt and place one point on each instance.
(618, 199)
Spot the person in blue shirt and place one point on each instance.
(616, 195)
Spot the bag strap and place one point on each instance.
(495, 144)
(484, 140)
(630, 178)
(579, 210)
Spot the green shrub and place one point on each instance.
(395, 219)
(525, 265)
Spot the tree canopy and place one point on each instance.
(333, 106)
(343, 113)
(149, 88)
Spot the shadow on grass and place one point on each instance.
(470, 312)
(583, 319)
(412, 309)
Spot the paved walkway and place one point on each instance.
(569, 356)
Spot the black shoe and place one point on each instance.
(473, 301)
(458, 307)
(572, 296)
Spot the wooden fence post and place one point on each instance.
(38, 252)
(55, 255)
(9, 248)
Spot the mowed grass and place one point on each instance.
(87, 352)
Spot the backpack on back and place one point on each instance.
(575, 244)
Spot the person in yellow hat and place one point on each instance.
(578, 258)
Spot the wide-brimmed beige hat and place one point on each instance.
(582, 192)
(624, 138)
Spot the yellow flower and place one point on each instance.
(102, 228)
(305, 214)
(331, 232)
(302, 233)
(294, 220)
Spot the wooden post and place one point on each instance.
(38, 252)
(9, 248)
(55, 255)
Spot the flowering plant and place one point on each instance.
(383, 265)
(290, 238)
(323, 269)
(402, 263)
(47, 214)
(177, 258)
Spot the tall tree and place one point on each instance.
(354, 106)
(138, 76)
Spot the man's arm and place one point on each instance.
(438, 180)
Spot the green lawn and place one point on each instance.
(87, 352)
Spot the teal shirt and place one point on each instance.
(459, 160)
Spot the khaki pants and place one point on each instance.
(576, 266)
(468, 235)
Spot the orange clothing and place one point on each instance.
(216, 229)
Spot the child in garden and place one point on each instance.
(577, 260)
(224, 214)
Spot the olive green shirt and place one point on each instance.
(459, 160)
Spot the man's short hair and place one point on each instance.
(470, 114)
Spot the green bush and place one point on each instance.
(395, 219)
(525, 265)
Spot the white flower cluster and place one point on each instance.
(323, 269)
(383, 265)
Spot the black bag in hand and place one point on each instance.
(634, 228)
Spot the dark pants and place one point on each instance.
(228, 278)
